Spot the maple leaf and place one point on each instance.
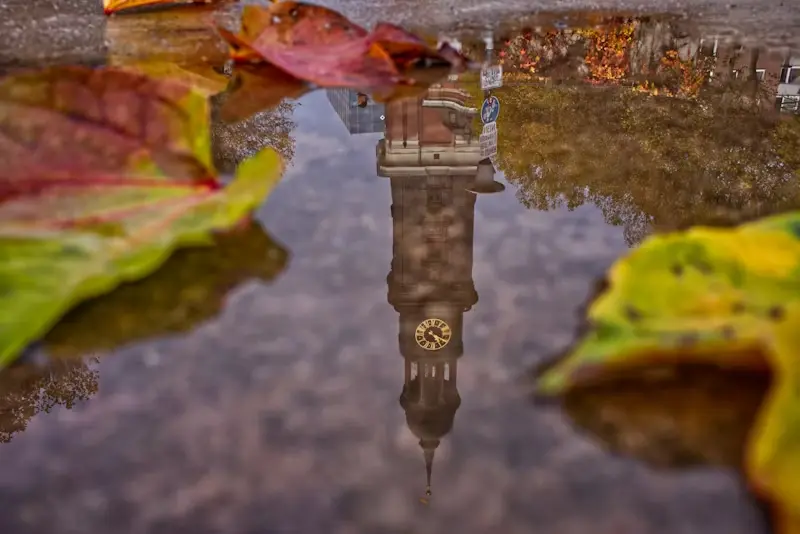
(725, 297)
(318, 45)
(115, 6)
(104, 173)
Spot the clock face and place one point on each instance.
(433, 334)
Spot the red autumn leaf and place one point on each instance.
(288, 24)
(297, 24)
(319, 45)
(399, 43)
(407, 49)
(74, 123)
(355, 63)
(254, 89)
(240, 49)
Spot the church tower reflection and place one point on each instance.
(432, 158)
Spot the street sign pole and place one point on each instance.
(491, 74)
(491, 78)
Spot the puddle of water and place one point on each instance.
(277, 381)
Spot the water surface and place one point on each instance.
(275, 384)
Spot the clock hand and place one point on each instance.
(437, 338)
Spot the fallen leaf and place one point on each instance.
(68, 122)
(105, 173)
(356, 63)
(318, 45)
(726, 297)
(405, 48)
(240, 49)
(257, 88)
(254, 89)
(115, 6)
(287, 24)
(290, 23)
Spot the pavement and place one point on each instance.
(47, 31)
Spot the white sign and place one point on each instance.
(488, 140)
(491, 77)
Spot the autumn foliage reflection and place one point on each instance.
(666, 133)
(29, 389)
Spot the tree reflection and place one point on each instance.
(233, 142)
(29, 389)
(648, 163)
(658, 130)
(191, 287)
(787, 142)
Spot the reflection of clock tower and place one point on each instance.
(432, 160)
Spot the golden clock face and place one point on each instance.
(433, 334)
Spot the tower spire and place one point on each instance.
(428, 450)
(428, 469)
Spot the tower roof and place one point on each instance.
(428, 450)
(430, 423)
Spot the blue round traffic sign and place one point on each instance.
(490, 109)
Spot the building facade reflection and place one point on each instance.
(358, 113)
(432, 159)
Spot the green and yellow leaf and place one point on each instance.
(105, 173)
(726, 297)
